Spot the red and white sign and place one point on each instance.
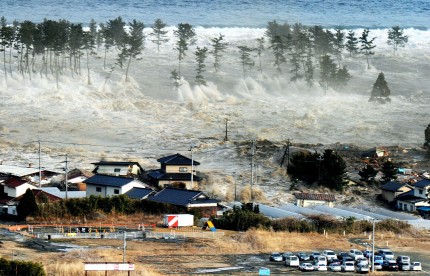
(172, 221)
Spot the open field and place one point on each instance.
(232, 254)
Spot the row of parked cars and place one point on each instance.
(352, 260)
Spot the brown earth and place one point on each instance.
(234, 253)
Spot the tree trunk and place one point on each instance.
(88, 68)
(126, 70)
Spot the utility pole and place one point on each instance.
(235, 190)
(124, 247)
(66, 170)
(252, 168)
(40, 170)
(192, 167)
(226, 130)
(286, 153)
(373, 246)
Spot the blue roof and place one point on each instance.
(422, 183)
(392, 186)
(107, 180)
(139, 193)
(181, 197)
(424, 208)
(177, 159)
(410, 197)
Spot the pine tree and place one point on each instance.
(327, 72)
(185, 34)
(200, 58)
(351, 44)
(396, 38)
(338, 44)
(380, 90)
(218, 48)
(278, 47)
(309, 69)
(260, 49)
(245, 58)
(367, 45)
(159, 33)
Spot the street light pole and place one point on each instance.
(192, 167)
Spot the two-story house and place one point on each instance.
(393, 189)
(176, 171)
(115, 168)
(418, 197)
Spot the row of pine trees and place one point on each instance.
(297, 51)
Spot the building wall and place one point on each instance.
(18, 191)
(307, 202)
(421, 192)
(179, 169)
(121, 170)
(390, 195)
(410, 207)
(106, 191)
(164, 183)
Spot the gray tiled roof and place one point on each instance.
(181, 197)
(323, 197)
(392, 186)
(107, 180)
(422, 183)
(177, 159)
(139, 193)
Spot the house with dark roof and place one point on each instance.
(189, 199)
(106, 185)
(116, 168)
(175, 171)
(309, 199)
(15, 186)
(418, 197)
(140, 193)
(393, 189)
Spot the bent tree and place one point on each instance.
(396, 38)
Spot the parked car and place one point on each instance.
(416, 266)
(403, 259)
(321, 259)
(362, 261)
(334, 267)
(404, 266)
(286, 254)
(320, 266)
(378, 259)
(275, 257)
(378, 266)
(368, 253)
(390, 264)
(355, 254)
(314, 254)
(329, 254)
(363, 268)
(333, 261)
(292, 261)
(348, 266)
(306, 267)
(386, 254)
(342, 255)
(303, 256)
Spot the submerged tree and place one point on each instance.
(245, 58)
(380, 91)
(351, 44)
(278, 47)
(260, 49)
(200, 58)
(338, 44)
(185, 34)
(218, 48)
(133, 44)
(159, 33)
(396, 38)
(367, 45)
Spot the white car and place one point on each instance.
(306, 267)
(334, 267)
(292, 261)
(355, 254)
(363, 268)
(348, 266)
(378, 266)
(329, 254)
(416, 266)
(320, 266)
(387, 254)
(362, 261)
(275, 257)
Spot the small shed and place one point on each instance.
(310, 199)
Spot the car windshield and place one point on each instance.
(378, 257)
(349, 264)
(330, 253)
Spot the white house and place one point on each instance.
(106, 185)
(307, 199)
(418, 197)
(15, 187)
(128, 169)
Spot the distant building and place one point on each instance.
(115, 168)
(393, 189)
(308, 199)
(416, 198)
(106, 185)
(175, 171)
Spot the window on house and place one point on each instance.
(183, 169)
(400, 206)
(117, 170)
(411, 208)
(99, 189)
(420, 192)
(116, 191)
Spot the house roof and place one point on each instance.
(422, 183)
(62, 194)
(18, 171)
(393, 186)
(322, 197)
(181, 197)
(177, 159)
(107, 180)
(410, 197)
(139, 193)
(115, 163)
(39, 193)
(13, 182)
